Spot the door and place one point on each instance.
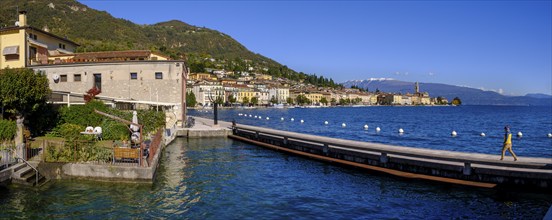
(98, 81)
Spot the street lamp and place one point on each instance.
(213, 101)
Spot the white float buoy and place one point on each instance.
(482, 134)
(401, 131)
(302, 121)
(292, 119)
(550, 135)
(255, 116)
(250, 116)
(326, 122)
(365, 127)
(453, 133)
(282, 118)
(519, 134)
(378, 129)
(343, 125)
(239, 114)
(267, 118)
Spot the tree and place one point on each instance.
(333, 101)
(324, 101)
(219, 100)
(231, 98)
(191, 99)
(22, 91)
(254, 100)
(456, 101)
(289, 100)
(245, 100)
(273, 100)
(302, 99)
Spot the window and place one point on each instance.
(133, 75)
(158, 75)
(63, 78)
(62, 46)
(77, 77)
(98, 81)
(33, 36)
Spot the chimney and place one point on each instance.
(22, 18)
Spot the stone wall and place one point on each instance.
(117, 79)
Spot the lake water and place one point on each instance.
(424, 126)
(224, 179)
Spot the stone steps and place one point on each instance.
(25, 175)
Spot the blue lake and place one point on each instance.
(424, 127)
(220, 178)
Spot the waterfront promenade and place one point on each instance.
(473, 169)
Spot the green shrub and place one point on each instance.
(83, 114)
(114, 130)
(76, 118)
(7, 130)
(151, 120)
(71, 132)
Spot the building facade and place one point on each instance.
(147, 81)
(23, 45)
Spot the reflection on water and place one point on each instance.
(225, 179)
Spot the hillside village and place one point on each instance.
(250, 88)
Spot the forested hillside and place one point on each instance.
(99, 31)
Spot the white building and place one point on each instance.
(207, 91)
(279, 93)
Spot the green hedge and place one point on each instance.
(75, 119)
(79, 152)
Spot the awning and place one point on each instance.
(11, 50)
(36, 43)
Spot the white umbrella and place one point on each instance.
(135, 121)
(135, 137)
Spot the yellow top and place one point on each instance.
(508, 138)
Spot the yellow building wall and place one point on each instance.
(248, 94)
(13, 38)
(314, 97)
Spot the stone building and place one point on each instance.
(153, 82)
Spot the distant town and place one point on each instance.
(248, 88)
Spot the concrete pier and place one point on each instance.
(473, 169)
(205, 128)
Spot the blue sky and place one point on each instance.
(494, 45)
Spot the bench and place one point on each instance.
(123, 153)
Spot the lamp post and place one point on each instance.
(214, 102)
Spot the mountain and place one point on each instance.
(469, 96)
(539, 95)
(99, 31)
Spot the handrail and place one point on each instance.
(385, 149)
(28, 164)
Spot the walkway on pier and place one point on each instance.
(476, 169)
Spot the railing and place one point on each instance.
(31, 152)
(32, 167)
(283, 138)
(154, 146)
(6, 159)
